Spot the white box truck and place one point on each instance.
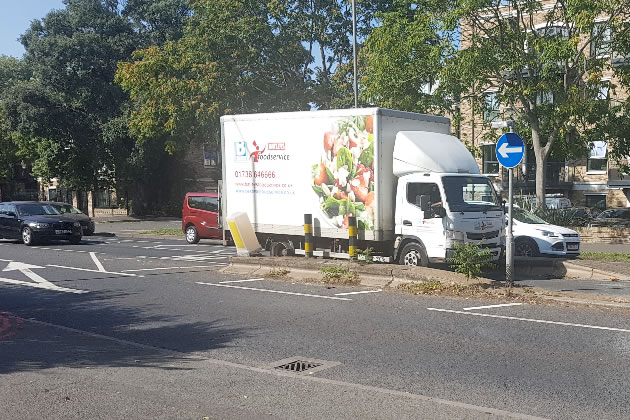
(415, 190)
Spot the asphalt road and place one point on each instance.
(131, 328)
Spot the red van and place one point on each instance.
(200, 217)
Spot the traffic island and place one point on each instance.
(412, 280)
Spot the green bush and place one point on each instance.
(471, 260)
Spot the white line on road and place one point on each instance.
(358, 293)
(97, 262)
(501, 305)
(273, 291)
(239, 281)
(46, 285)
(540, 321)
(87, 269)
(168, 268)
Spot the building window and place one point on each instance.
(491, 106)
(596, 200)
(544, 98)
(210, 156)
(604, 90)
(489, 159)
(600, 46)
(597, 161)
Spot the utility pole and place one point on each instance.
(354, 52)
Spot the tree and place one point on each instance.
(234, 57)
(403, 57)
(60, 112)
(546, 62)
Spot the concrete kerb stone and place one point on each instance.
(589, 273)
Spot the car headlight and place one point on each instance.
(77, 224)
(39, 225)
(548, 233)
(455, 234)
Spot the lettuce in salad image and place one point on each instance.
(344, 177)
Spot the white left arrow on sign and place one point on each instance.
(504, 150)
(40, 282)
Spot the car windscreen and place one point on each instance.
(465, 193)
(66, 208)
(527, 217)
(36, 209)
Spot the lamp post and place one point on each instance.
(354, 52)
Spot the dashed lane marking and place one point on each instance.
(540, 321)
(240, 281)
(88, 269)
(501, 305)
(358, 293)
(97, 262)
(273, 291)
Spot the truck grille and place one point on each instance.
(482, 235)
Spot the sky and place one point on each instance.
(15, 19)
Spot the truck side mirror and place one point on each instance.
(424, 202)
(503, 203)
(439, 211)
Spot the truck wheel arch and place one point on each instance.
(406, 240)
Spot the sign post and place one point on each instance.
(510, 151)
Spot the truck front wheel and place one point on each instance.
(414, 255)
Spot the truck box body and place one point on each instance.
(278, 167)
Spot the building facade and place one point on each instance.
(592, 180)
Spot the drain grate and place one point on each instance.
(299, 366)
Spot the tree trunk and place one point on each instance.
(541, 172)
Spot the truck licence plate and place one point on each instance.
(573, 247)
(62, 231)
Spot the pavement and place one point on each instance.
(119, 328)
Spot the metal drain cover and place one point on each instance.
(302, 365)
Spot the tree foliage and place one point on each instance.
(541, 59)
(234, 57)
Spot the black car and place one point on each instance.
(32, 221)
(612, 217)
(87, 224)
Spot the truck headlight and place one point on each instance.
(39, 225)
(548, 233)
(455, 235)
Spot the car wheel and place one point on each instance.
(414, 255)
(525, 248)
(192, 236)
(27, 236)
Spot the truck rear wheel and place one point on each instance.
(414, 255)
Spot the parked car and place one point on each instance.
(32, 222)
(87, 224)
(534, 237)
(612, 217)
(200, 217)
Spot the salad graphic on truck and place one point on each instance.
(343, 179)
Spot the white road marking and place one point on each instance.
(87, 269)
(97, 262)
(358, 293)
(239, 281)
(40, 282)
(168, 268)
(540, 321)
(501, 305)
(272, 291)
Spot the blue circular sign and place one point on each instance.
(510, 150)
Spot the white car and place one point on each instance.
(534, 237)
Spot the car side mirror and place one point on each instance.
(11, 214)
(439, 211)
(424, 202)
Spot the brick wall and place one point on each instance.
(604, 235)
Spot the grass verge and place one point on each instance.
(177, 232)
(605, 256)
(483, 290)
(278, 273)
(339, 275)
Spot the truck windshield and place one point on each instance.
(465, 193)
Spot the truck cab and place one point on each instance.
(437, 211)
(441, 200)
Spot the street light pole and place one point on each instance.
(354, 52)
